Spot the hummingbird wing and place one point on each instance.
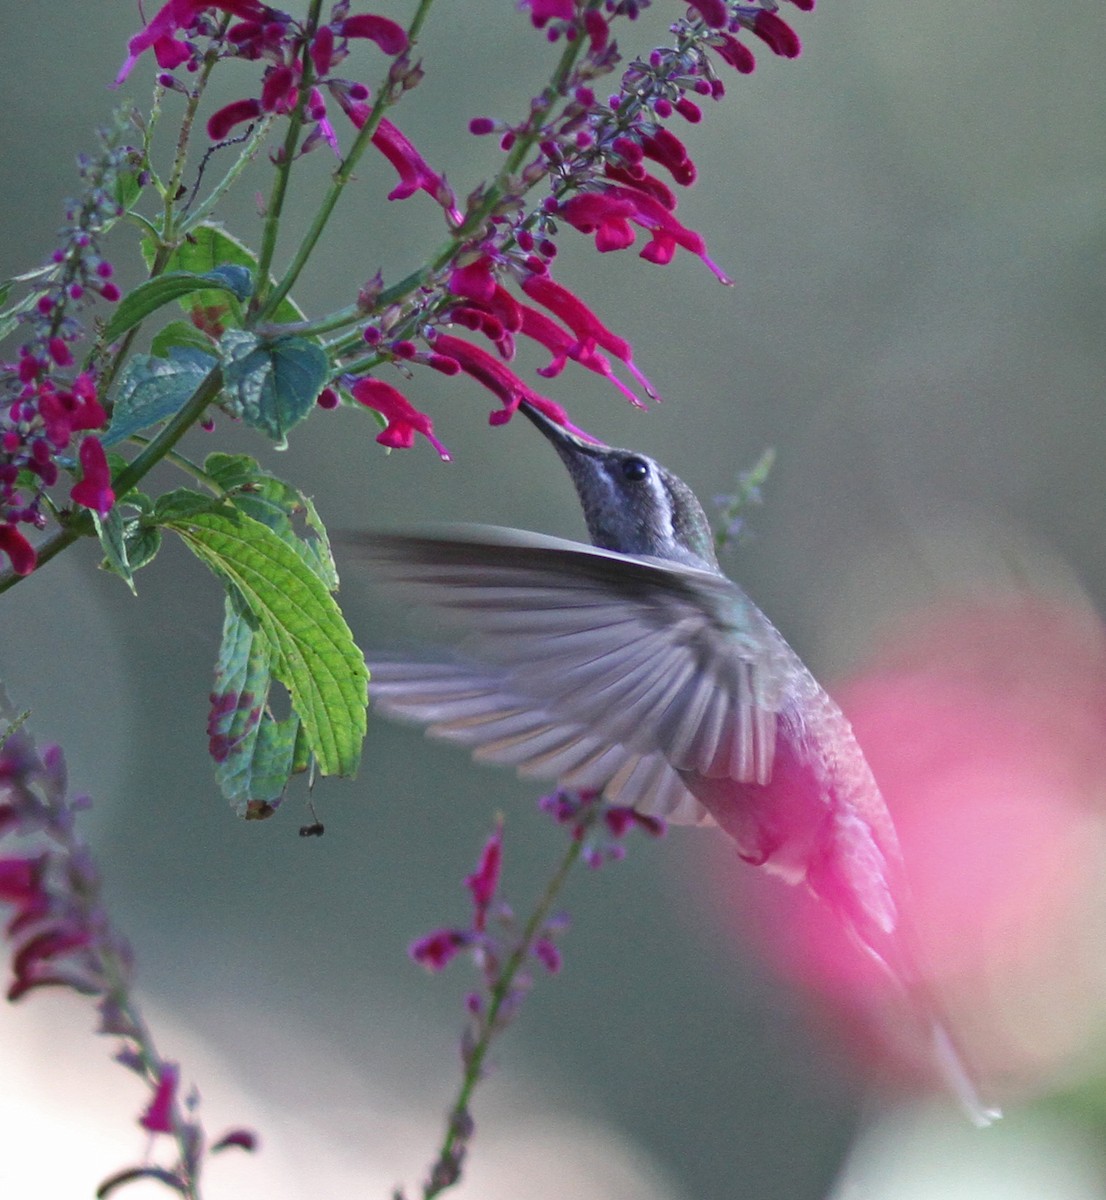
(473, 705)
(659, 661)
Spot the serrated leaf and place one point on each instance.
(111, 532)
(314, 654)
(180, 333)
(182, 503)
(155, 293)
(127, 189)
(152, 390)
(273, 383)
(209, 246)
(268, 499)
(143, 541)
(253, 751)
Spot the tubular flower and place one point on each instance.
(544, 11)
(404, 420)
(777, 34)
(20, 552)
(610, 214)
(94, 489)
(414, 173)
(563, 346)
(587, 327)
(160, 34)
(499, 380)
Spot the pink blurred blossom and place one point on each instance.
(984, 722)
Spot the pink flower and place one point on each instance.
(666, 148)
(158, 1117)
(483, 882)
(609, 213)
(404, 420)
(94, 489)
(390, 37)
(21, 554)
(731, 51)
(436, 950)
(414, 173)
(544, 11)
(587, 327)
(160, 33)
(714, 12)
(221, 122)
(777, 34)
(498, 379)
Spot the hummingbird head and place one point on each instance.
(631, 503)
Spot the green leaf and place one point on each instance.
(110, 530)
(182, 503)
(253, 751)
(142, 541)
(152, 390)
(9, 320)
(268, 499)
(180, 333)
(127, 189)
(314, 654)
(273, 384)
(208, 247)
(155, 293)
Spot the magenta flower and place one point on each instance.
(390, 37)
(714, 12)
(587, 327)
(546, 952)
(21, 554)
(436, 950)
(777, 34)
(223, 120)
(735, 53)
(160, 34)
(415, 175)
(610, 214)
(404, 420)
(666, 148)
(94, 489)
(158, 1117)
(499, 380)
(544, 11)
(563, 346)
(483, 882)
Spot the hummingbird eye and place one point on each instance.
(634, 470)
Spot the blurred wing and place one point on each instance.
(472, 706)
(645, 657)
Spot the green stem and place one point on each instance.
(341, 177)
(442, 1179)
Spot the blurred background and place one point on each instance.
(913, 215)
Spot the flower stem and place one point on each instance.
(445, 1173)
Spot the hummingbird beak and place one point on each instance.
(570, 446)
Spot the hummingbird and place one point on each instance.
(634, 667)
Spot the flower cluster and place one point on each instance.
(300, 73)
(44, 404)
(601, 839)
(597, 157)
(61, 935)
